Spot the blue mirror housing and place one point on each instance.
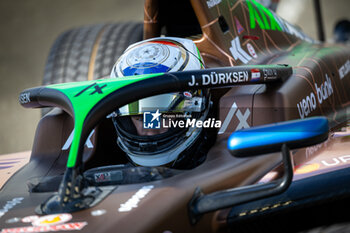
(270, 138)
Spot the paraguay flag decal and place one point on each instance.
(255, 74)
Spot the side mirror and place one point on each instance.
(257, 141)
(270, 138)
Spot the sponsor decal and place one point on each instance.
(135, 199)
(47, 223)
(336, 161)
(311, 150)
(239, 27)
(53, 219)
(9, 205)
(307, 105)
(344, 69)
(103, 177)
(307, 168)
(98, 212)
(31, 218)
(270, 74)
(250, 37)
(255, 74)
(212, 3)
(260, 14)
(24, 98)
(243, 123)
(97, 89)
(325, 90)
(237, 51)
(268, 20)
(88, 142)
(221, 78)
(151, 120)
(187, 94)
(251, 50)
(234, 111)
(48, 228)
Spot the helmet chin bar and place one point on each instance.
(159, 149)
(162, 158)
(90, 101)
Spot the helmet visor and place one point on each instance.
(165, 103)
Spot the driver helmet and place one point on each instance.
(160, 146)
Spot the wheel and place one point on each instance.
(89, 52)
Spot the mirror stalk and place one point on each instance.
(201, 203)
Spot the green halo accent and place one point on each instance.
(84, 96)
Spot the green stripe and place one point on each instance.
(200, 58)
(260, 16)
(134, 108)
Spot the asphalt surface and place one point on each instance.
(29, 27)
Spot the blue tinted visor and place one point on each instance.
(145, 68)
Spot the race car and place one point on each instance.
(278, 156)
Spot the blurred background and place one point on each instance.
(29, 28)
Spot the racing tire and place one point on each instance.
(89, 52)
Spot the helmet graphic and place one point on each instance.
(158, 55)
(159, 145)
